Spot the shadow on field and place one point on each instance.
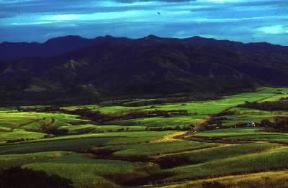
(174, 161)
(144, 176)
(24, 178)
(146, 180)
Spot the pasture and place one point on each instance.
(171, 144)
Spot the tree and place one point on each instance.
(24, 178)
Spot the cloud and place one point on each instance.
(226, 19)
(274, 29)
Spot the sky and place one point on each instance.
(238, 20)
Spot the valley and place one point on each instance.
(223, 142)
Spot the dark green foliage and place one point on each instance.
(278, 124)
(100, 117)
(25, 178)
(281, 105)
(18, 140)
(214, 184)
(115, 67)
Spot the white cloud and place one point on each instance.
(230, 19)
(274, 29)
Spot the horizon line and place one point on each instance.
(137, 38)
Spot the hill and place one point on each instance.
(70, 68)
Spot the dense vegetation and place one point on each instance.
(203, 144)
(281, 105)
(277, 124)
(108, 67)
(25, 178)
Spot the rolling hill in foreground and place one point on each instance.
(71, 67)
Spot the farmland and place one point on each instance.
(216, 142)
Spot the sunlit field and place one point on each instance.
(176, 144)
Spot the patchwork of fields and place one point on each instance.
(181, 144)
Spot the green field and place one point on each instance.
(155, 145)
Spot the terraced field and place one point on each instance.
(179, 144)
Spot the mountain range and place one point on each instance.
(73, 68)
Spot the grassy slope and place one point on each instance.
(86, 172)
(276, 179)
(128, 138)
(267, 160)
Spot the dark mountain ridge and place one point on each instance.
(60, 45)
(119, 67)
(50, 48)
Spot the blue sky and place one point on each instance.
(240, 20)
